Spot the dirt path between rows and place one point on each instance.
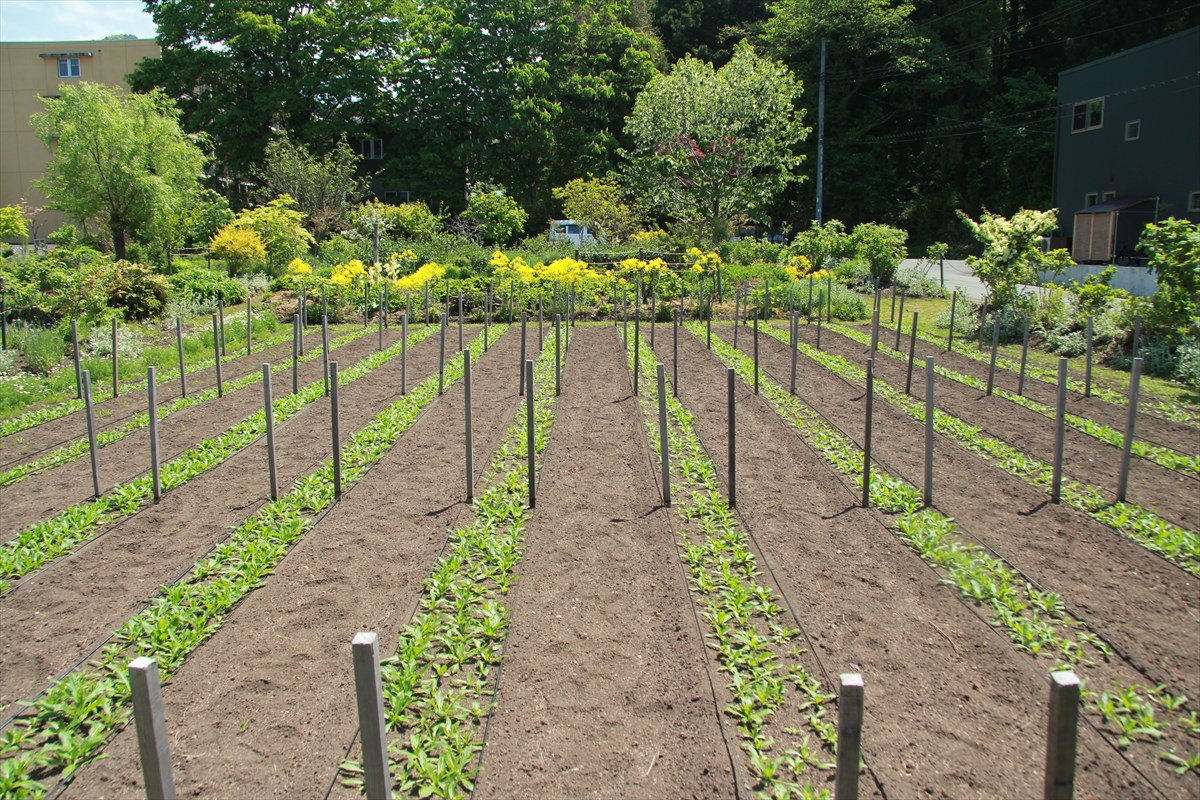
(1173, 495)
(605, 691)
(269, 700)
(61, 614)
(48, 493)
(115, 411)
(952, 711)
(1144, 605)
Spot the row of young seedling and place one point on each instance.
(439, 685)
(100, 393)
(780, 708)
(49, 539)
(1163, 456)
(67, 725)
(1141, 525)
(78, 448)
(1036, 621)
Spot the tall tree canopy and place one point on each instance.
(716, 145)
(121, 158)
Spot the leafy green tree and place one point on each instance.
(324, 188)
(1174, 249)
(407, 220)
(496, 216)
(881, 246)
(820, 244)
(716, 145)
(598, 204)
(280, 228)
(705, 29)
(1012, 253)
(239, 247)
(13, 224)
(117, 157)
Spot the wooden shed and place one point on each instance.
(1110, 230)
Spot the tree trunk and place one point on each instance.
(118, 237)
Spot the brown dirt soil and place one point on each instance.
(1173, 495)
(48, 493)
(942, 687)
(63, 612)
(114, 412)
(272, 693)
(1176, 435)
(605, 691)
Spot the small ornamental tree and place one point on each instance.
(822, 243)
(1012, 253)
(881, 246)
(1173, 246)
(497, 216)
(597, 203)
(280, 229)
(13, 225)
(240, 248)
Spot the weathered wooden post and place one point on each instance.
(1060, 412)
(849, 749)
(372, 725)
(151, 726)
(1135, 381)
(1061, 736)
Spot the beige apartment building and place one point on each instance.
(32, 70)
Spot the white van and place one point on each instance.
(571, 231)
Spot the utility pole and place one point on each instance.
(821, 139)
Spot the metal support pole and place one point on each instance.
(179, 347)
(460, 321)
(1060, 412)
(1024, 358)
(379, 322)
(221, 320)
(337, 439)
(115, 368)
(1135, 382)
(469, 454)
(930, 420)
(653, 314)
(521, 363)
(325, 351)
(150, 723)
(404, 355)
(75, 358)
(637, 346)
(818, 331)
(732, 438)
(912, 351)
(737, 313)
(850, 720)
(1137, 337)
(487, 318)
(756, 312)
(3, 318)
(828, 300)
(1061, 736)
(810, 305)
(899, 322)
(530, 437)
(795, 348)
(426, 303)
(152, 410)
(557, 355)
(866, 493)
(995, 344)
(217, 358)
(675, 354)
(269, 413)
(91, 431)
(541, 341)
(296, 336)
(664, 442)
(249, 325)
(372, 725)
(892, 313)
(953, 311)
(874, 332)
(442, 355)
(1087, 375)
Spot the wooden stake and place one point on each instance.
(930, 420)
(912, 351)
(115, 370)
(217, 358)
(1135, 382)
(530, 437)
(150, 723)
(325, 350)
(953, 309)
(179, 347)
(1087, 379)
(521, 363)
(372, 725)
(866, 493)
(442, 355)
(850, 720)
(91, 432)
(732, 438)
(470, 458)
(1060, 412)
(152, 410)
(1061, 743)
(663, 437)
(404, 355)
(1024, 357)
(995, 344)
(269, 413)
(337, 441)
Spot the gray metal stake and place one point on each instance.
(150, 723)
(663, 438)
(296, 353)
(892, 313)
(732, 439)
(1061, 736)
(487, 318)
(737, 299)
(953, 307)
(866, 494)
(675, 355)
(249, 325)
(653, 314)
(995, 343)
(1137, 336)
(152, 409)
(460, 320)
(850, 720)
(470, 458)
(637, 346)
(221, 319)
(557, 355)
(874, 332)
(912, 351)
(372, 725)
(404, 354)
(115, 370)
(91, 431)
(1060, 412)
(1024, 358)
(818, 331)
(530, 437)
(795, 348)
(442, 355)
(1135, 382)
(269, 411)
(828, 299)
(756, 312)
(1087, 375)
(930, 419)
(810, 307)
(541, 340)
(217, 358)
(899, 322)
(325, 351)
(75, 358)
(521, 363)
(333, 416)
(179, 347)
(379, 321)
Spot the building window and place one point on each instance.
(403, 195)
(1133, 130)
(372, 149)
(68, 68)
(1088, 115)
(1089, 200)
(1194, 202)
(1108, 196)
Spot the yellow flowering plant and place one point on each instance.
(352, 273)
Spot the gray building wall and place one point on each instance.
(1157, 84)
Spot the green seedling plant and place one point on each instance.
(1141, 525)
(69, 723)
(49, 539)
(1163, 456)
(79, 447)
(101, 393)
(1036, 621)
(774, 702)
(439, 686)
(1169, 411)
